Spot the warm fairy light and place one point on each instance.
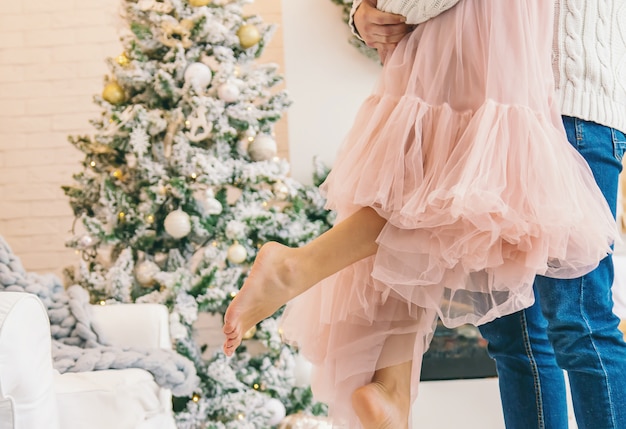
(92, 163)
(240, 416)
(121, 215)
(150, 219)
(233, 294)
(187, 123)
(214, 244)
(195, 397)
(117, 173)
(255, 386)
(194, 176)
(122, 60)
(102, 302)
(264, 203)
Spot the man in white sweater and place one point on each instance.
(571, 326)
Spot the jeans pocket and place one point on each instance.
(619, 144)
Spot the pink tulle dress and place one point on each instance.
(462, 149)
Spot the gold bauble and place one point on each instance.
(248, 36)
(249, 333)
(199, 3)
(113, 93)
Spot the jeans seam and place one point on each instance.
(595, 349)
(535, 371)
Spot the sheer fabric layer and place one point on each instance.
(461, 148)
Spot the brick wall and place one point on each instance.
(51, 65)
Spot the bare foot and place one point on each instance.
(273, 280)
(378, 408)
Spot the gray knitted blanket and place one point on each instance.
(77, 344)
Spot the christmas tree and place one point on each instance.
(182, 185)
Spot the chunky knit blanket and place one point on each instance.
(77, 344)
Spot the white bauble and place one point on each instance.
(212, 206)
(145, 273)
(281, 191)
(199, 76)
(277, 410)
(237, 253)
(228, 92)
(262, 148)
(302, 371)
(85, 241)
(177, 224)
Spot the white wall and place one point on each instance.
(327, 79)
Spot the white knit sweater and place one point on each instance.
(589, 53)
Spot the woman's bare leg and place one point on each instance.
(281, 273)
(385, 403)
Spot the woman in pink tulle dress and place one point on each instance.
(454, 188)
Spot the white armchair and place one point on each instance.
(35, 396)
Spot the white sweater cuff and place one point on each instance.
(416, 11)
(355, 4)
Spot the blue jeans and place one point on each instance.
(570, 327)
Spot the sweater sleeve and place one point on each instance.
(415, 11)
(355, 4)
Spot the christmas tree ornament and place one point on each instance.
(280, 190)
(199, 76)
(237, 253)
(122, 60)
(177, 224)
(209, 204)
(228, 92)
(199, 126)
(174, 121)
(173, 34)
(113, 93)
(145, 273)
(161, 259)
(249, 334)
(263, 148)
(199, 3)
(277, 411)
(302, 371)
(161, 6)
(85, 241)
(248, 36)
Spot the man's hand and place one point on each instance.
(380, 30)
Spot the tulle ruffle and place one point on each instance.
(461, 149)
